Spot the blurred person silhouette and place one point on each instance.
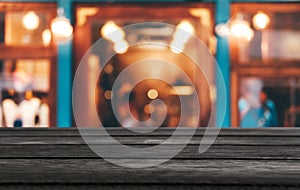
(256, 109)
(269, 107)
(26, 110)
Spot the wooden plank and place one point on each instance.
(141, 186)
(189, 152)
(150, 140)
(239, 159)
(118, 131)
(85, 186)
(98, 171)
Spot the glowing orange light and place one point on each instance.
(152, 94)
(31, 21)
(61, 28)
(46, 35)
(241, 29)
(261, 20)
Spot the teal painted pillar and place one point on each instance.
(222, 14)
(64, 75)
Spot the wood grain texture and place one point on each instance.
(117, 131)
(238, 172)
(239, 159)
(149, 140)
(189, 152)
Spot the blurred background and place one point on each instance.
(256, 46)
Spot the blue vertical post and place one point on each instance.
(64, 75)
(222, 14)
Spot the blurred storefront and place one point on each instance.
(256, 46)
(267, 55)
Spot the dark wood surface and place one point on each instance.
(239, 159)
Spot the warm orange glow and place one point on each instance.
(31, 21)
(83, 13)
(149, 108)
(46, 35)
(115, 34)
(152, 94)
(241, 29)
(261, 20)
(61, 28)
(213, 93)
(108, 94)
(112, 32)
(182, 90)
(203, 14)
(222, 29)
(181, 36)
(186, 26)
(183, 32)
(176, 47)
(108, 69)
(121, 46)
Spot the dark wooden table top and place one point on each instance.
(239, 159)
